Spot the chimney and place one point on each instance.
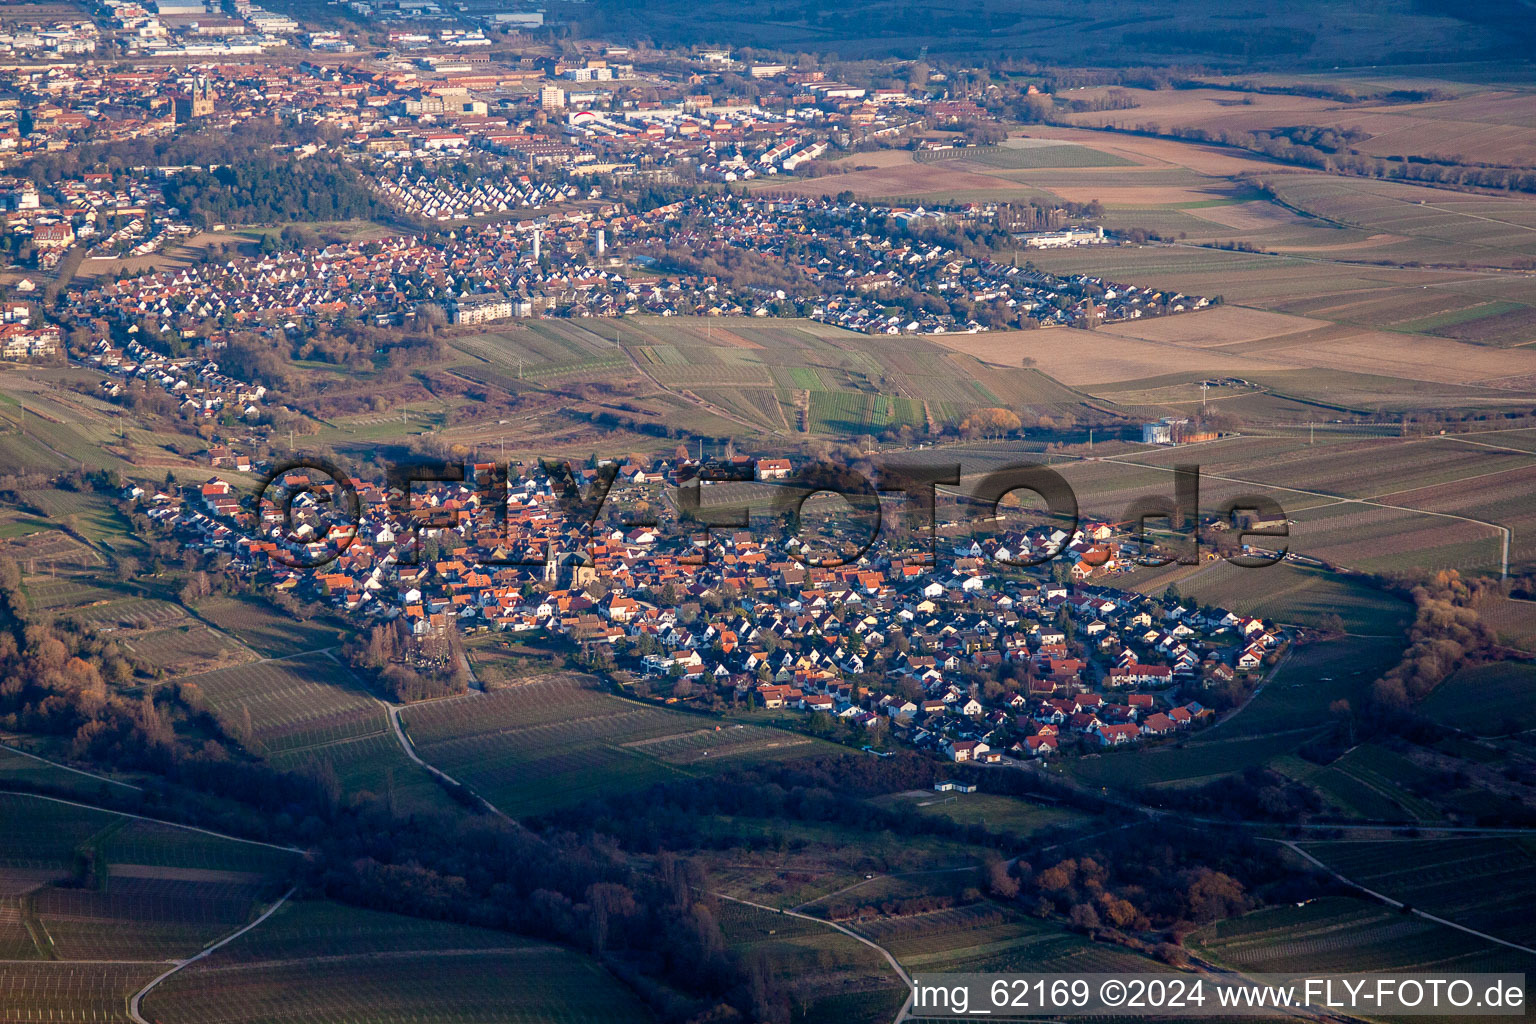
(602, 240)
(536, 234)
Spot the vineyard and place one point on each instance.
(1482, 883)
(1334, 930)
(323, 963)
(559, 741)
(309, 713)
(76, 942)
(837, 978)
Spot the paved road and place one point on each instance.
(1290, 844)
(138, 997)
(895, 966)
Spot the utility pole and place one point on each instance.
(1311, 433)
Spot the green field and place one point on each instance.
(1026, 157)
(995, 812)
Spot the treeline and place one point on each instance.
(1149, 882)
(1446, 634)
(1281, 144)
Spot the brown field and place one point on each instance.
(1495, 127)
(1224, 325)
(1255, 339)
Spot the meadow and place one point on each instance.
(992, 811)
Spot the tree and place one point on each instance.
(991, 422)
(1084, 918)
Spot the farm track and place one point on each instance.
(393, 712)
(67, 768)
(138, 997)
(901, 972)
(1295, 848)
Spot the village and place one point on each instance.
(961, 655)
(830, 267)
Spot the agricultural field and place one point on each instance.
(774, 378)
(1325, 933)
(994, 812)
(44, 992)
(18, 770)
(558, 741)
(1426, 224)
(1344, 288)
(268, 631)
(1486, 700)
(1514, 621)
(74, 946)
(1484, 884)
(328, 964)
(833, 978)
(1024, 153)
(311, 714)
(987, 938)
(1481, 125)
(1291, 593)
(185, 649)
(811, 866)
(1368, 782)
